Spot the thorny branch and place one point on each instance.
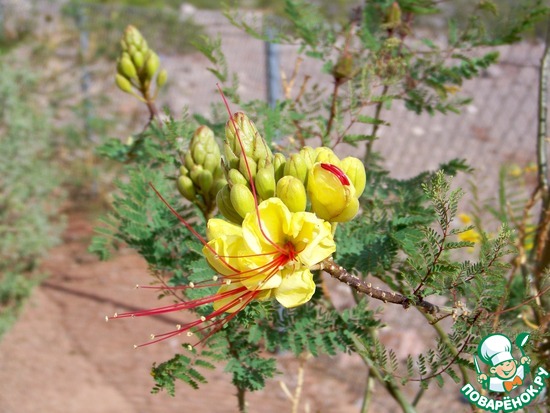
(363, 287)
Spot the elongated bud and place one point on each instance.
(152, 64)
(309, 155)
(138, 59)
(325, 155)
(123, 83)
(343, 69)
(279, 162)
(126, 68)
(292, 192)
(331, 193)
(242, 200)
(223, 200)
(297, 167)
(355, 171)
(186, 187)
(249, 167)
(235, 177)
(265, 182)
(394, 16)
(205, 181)
(241, 127)
(162, 78)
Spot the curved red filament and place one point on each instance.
(333, 169)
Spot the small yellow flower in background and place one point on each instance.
(471, 235)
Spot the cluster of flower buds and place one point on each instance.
(312, 177)
(247, 158)
(138, 65)
(201, 175)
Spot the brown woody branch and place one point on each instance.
(363, 287)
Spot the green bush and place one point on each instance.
(29, 188)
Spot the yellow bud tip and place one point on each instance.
(203, 319)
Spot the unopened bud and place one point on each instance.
(279, 162)
(235, 177)
(292, 192)
(123, 83)
(247, 167)
(309, 155)
(223, 200)
(138, 59)
(265, 182)
(126, 68)
(326, 155)
(355, 171)
(242, 200)
(162, 78)
(186, 187)
(296, 166)
(152, 64)
(205, 181)
(331, 193)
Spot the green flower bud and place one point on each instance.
(248, 168)
(297, 167)
(183, 170)
(138, 59)
(223, 200)
(205, 181)
(218, 185)
(123, 83)
(212, 163)
(162, 78)
(279, 162)
(343, 69)
(309, 155)
(235, 177)
(152, 64)
(265, 182)
(394, 16)
(195, 172)
(126, 68)
(293, 193)
(232, 160)
(331, 193)
(242, 200)
(355, 170)
(241, 133)
(198, 153)
(186, 187)
(325, 155)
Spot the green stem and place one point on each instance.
(375, 126)
(388, 382)
(367, 396)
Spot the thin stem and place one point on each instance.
(375, 126)
(367, 395)
(332, 114)
(388, 382)
(241, 393)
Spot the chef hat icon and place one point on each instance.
(495, 349)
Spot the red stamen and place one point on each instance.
(337, 172)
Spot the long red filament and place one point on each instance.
(243, 152)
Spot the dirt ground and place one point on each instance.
(61, 356)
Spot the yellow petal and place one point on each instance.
(272, 226)
(312, 238)
(223, 254)
(219, 227)
(297, 288)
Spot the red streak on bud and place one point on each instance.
(336, 171)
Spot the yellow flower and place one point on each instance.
(332, 195)
(270, 254)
